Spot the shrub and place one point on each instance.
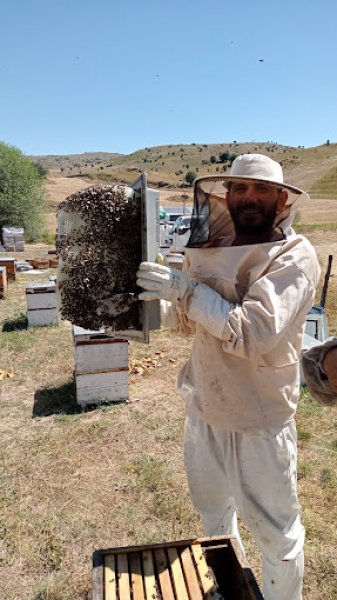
(42, 171)
(22, 195)
(190, 176)
(224, 156)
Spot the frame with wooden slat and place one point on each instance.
(197, 569)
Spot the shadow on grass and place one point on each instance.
(21, 322)
(60, 400)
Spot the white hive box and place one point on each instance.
(13, 238)
(101, 367)
(41, 304)
(316, 323)
(307, 342)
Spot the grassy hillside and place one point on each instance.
(314, 168)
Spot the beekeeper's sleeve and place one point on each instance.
(271, 305)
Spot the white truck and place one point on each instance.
(179, 233)
(169, 224)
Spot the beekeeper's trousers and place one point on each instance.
(256, 475)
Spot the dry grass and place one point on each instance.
(77, 481)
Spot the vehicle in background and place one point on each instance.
(168, 218)
(180, 233)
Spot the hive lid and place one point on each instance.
(36, 287)
(82, 333)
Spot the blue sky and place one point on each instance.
(84, 76)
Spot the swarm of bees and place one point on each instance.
(99, 250)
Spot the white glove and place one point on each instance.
(162, 283)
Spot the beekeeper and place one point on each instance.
(247, 283)
(320, 371)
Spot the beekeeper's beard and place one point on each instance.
(252, 218)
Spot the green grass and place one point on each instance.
(326, 187)
(311, 228)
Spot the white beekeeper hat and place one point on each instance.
(259, 168)
(211, 219)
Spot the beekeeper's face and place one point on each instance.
(253, 205)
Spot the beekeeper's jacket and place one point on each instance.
(247, 313)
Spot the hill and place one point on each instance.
(313, 168)
(67, 162)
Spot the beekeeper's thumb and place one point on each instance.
(160, 259)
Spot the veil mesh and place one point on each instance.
(211, 220)
(211, 223)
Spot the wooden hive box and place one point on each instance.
(40, 263)
(9, 263)
(101, 367)
(3, 282)
(198, 569)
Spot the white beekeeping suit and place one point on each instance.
(246, 307)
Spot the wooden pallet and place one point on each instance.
(202, 569)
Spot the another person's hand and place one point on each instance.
(162, 283)
(330, 367)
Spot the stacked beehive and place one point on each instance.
(101, 367)
(13, 239)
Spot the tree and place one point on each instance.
(212, 159)
(190, 177)
(224, 156)
(41, 169)
(232, 157)
(22, 194)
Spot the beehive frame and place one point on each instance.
(150, 249)
(92, 292)
(196, 569)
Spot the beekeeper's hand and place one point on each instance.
(330, 367)
(162, 283)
